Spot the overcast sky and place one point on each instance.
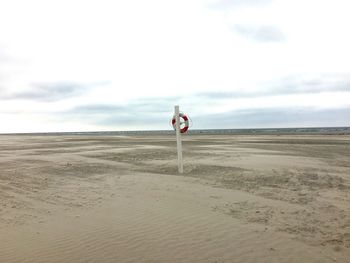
(83, 65)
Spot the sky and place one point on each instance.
(102, 65)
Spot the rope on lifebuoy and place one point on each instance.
(185, 121)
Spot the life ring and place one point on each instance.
(185, 121)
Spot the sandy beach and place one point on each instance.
(256, 198)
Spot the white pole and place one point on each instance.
(178, 140)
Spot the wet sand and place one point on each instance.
(266, 198)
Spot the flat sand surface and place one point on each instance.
(266, 198)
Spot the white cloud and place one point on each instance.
(164, 49)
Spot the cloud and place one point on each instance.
(159, 105)
(287, 86)
(261, 33)
(49, 92)
(38, 91)
(224, 4)
(277, 117)
(155, 110)
(132, 107)
(4, 55)
(116, 116)
(97, 109)
(8, 59)
(5, 58)
(147, 105)
(309, 84)
(103, 114)
(146, 112)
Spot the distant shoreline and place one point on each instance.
(247, 131)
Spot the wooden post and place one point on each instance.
(178, 140)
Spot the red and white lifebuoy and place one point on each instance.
(183, 120)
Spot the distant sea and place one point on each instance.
(267, 131)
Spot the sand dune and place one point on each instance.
(120, 199)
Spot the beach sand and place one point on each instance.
(256, 198)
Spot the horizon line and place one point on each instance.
(170, 130)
